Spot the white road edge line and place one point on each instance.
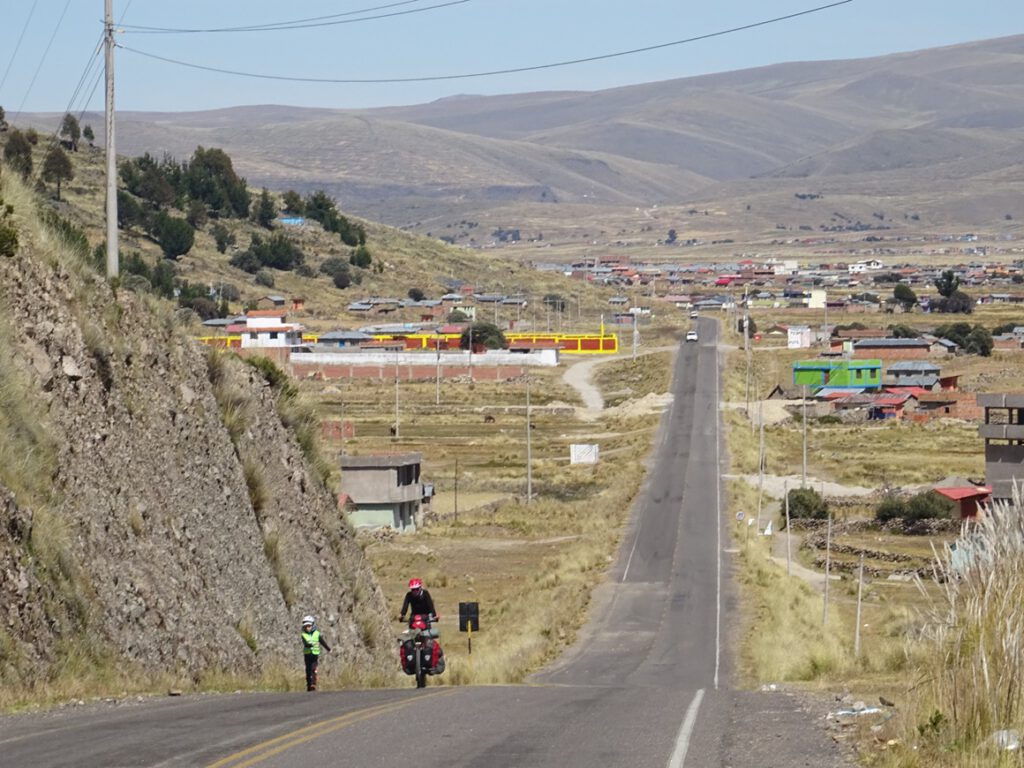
(718, 518)
(636, 540)
(685, 730)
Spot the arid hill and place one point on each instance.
(896, 125)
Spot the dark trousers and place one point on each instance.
(311, 663)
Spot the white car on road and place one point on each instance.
(691, 335)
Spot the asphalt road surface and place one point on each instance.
(647, 684)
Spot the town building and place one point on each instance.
(836, 374)
(266, 328)
(1003, 431)
(386, 490)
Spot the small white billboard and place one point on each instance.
(582, 453)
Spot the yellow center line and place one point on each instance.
(279, 744)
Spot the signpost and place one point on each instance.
(469, 621)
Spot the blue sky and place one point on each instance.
(467, 37)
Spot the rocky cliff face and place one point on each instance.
(183, 526)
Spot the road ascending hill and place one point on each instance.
(648, 683)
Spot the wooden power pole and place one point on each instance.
(113, 260)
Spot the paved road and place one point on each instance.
(647, 685)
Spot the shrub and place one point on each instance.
(265, 278)
(927, 506)
(807, 504)
(891, 508)
(245, 261)
(333, 265)
(175, 236)
(924, 506)
(8, 233)
(361, 257)
(222, 237)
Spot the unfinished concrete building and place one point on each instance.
(1003, 431)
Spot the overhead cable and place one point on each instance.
(42, 60)
(312, 23)
(14, 53)
(487, 73)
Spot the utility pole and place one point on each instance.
(437, 378)
(828, 568)
(760, 463)
(746, 349)
(789, 533)
(828, 336)
(860, 593)
(456, 488)
(471, 353)
(529, 446)
(636, 335)
(396, 435)
(803, 475)
(113, 265)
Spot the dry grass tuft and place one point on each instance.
(970, 649)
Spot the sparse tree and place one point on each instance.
(3, 120)
(71, 131)
(361, 257)
(416, 294)
(32, 135)
(222, 237)
(957, 302)
(57, 167)
(487, 335)
(155, 188)
(129, 213)
(197, 215)
(979, 341)
(265, 211)
(905, 296)
(18, 153)
(292, 202)
(175, 236)
(947, 283)
(457, 316)
(88, 134)
(672, 236)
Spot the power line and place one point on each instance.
(494, 72)
(253, 27)
(315, 22)
(14, 53)
(42, 60)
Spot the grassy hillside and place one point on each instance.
(150, 492)
(401, 261)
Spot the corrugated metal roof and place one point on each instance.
(829, 392)
(920, 366)
(958, 494)
(908, 343)
(926, 380)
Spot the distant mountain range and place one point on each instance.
(896, 125)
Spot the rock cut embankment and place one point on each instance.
(183, 528)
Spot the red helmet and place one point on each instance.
(415, 584)
(418, 622)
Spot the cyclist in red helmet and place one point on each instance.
(417, 601)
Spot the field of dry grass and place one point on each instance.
(931, 647)
(530, 566)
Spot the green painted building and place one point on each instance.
(838, 374)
